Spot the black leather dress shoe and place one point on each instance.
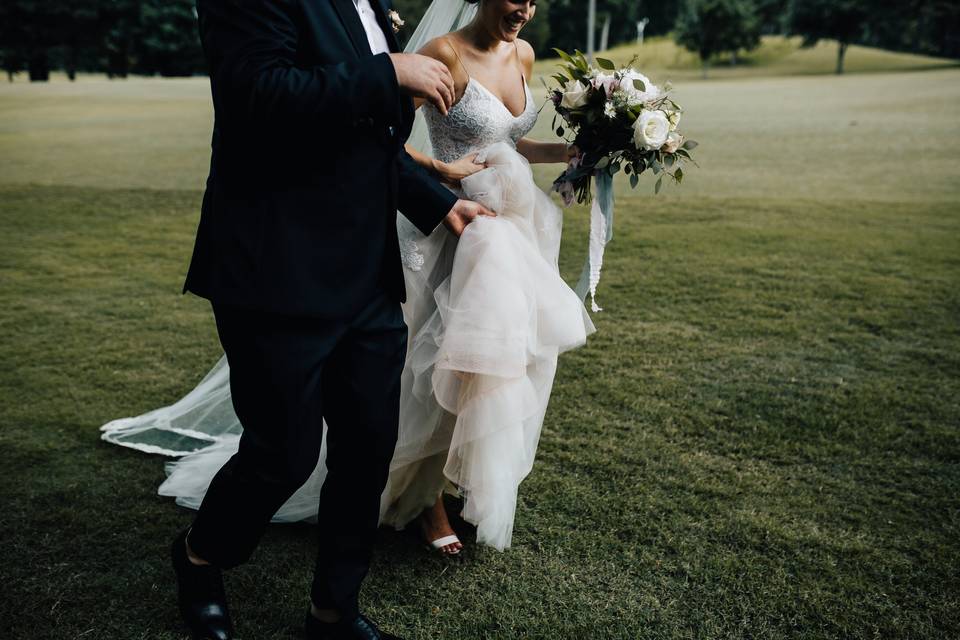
(203, 603)
(360, 628)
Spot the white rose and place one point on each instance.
(650, 130)
(650, 93)
(674, 140)
(575, 97)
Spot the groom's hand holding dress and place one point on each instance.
(297, 251)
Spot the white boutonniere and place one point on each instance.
(395, 20)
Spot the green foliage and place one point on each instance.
(167, 40)
(710, 27)
(774, 15)
(923, 26)
(115, 36)
(845, 21)
(38, 35)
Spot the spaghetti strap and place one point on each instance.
(523, 75)
(457, 54)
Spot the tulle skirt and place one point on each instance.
(488, 316)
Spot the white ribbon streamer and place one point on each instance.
(601, 232)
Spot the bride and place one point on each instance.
(488, 313)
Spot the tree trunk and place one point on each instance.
(39, 67)
(605, 34)
(705, 67)
(70, 63)
(591, 28)
(841, 52)
(733, 58)
(117, 65)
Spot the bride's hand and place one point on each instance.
(453, 172)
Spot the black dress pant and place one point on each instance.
(288, 374)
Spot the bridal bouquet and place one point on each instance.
(620, 121)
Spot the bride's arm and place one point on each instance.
(449, 172)
(539, 152)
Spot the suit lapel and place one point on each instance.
(351, 22)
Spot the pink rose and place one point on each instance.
(607, 81)
(674, 140)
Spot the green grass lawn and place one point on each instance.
(761, 441)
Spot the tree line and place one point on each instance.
(159, 37)
(712, 27)
(116, 37)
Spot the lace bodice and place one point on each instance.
(478, 120)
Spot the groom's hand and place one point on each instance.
(426, 78)
(463, 213)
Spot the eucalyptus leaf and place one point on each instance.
(581, 61)
(640, 86)
(689, 145)
(634, 180)
(678, 174)
(603, 63)
(656, 187)
(668, 160)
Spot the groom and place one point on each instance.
(297, 251)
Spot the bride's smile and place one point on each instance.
(504, 19)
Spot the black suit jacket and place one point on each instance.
(308, 167)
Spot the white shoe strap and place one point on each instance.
(440, 543)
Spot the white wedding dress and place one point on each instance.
(488, 314)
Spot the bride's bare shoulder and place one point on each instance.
(442, 49)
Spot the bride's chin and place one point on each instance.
(509, 34)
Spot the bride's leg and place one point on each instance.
(435, 525)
